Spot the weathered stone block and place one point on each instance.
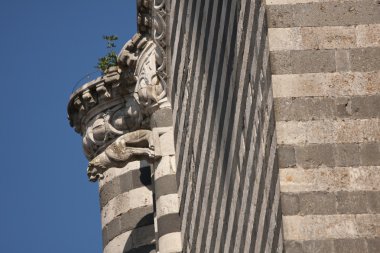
(313, 156)
(317, 203)
(347, 154)
(290, 204)
(313, 61)
(284, 39)
(344, 107)
(368, 35)
(373, 199)
(293, 247)
(324, 246)
(330, 179)
(365, 59)
(335, 14)
(304, 108)
(120, 243)
(366, 107)
(286, 156)
(351, 202)
(370, 154)
(322, 227)
(373, 245)
(280, 62)
(327, 84)
(342, 59)
(126, 182)
(113, 228)
(350, 246)
(328, 37)
(280, 16)
(109, 191)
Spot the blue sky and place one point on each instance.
(46, 203)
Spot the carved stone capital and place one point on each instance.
(113, 112)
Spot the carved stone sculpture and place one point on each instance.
(125, 116)
(112, 113)
(128, 147)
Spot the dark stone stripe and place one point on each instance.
(317, 108)
(135, 218)
(143, 249)
(329, 203)
(168, 223)
(323, 61)
(313, 246)
(165, 185)
(303, 61)
(330, 155)
(124, 183)
(324, 14)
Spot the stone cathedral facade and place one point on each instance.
(239, 126)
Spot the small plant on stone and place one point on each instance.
(110, 59)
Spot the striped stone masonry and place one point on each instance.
(239, 126)
(127, 209)
(224, 127)
(166, 196)
(125, 120)
(325, 60)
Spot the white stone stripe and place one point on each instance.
(167, 204)
(112, 173)
(322, 227)
(326, 84)
(166, 166)
(118, 244)
(279, 2)
(139, 197)
(122, 243)
(325, 37)
(328, 131)
(170, 243)
(330, 179)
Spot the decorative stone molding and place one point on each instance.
(144, 16)
(159, 36)
(112, 113)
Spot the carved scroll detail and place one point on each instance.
(159, 36)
